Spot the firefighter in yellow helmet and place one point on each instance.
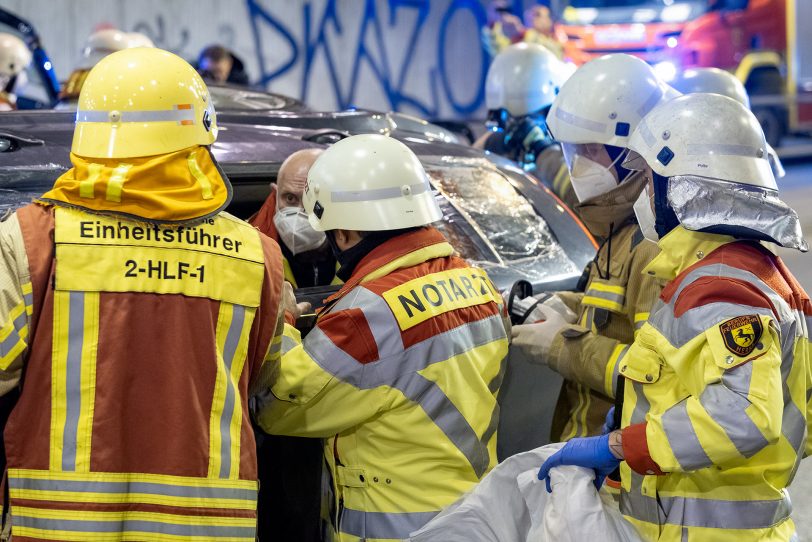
(143, 316)
(14, 59)
(401, 372)
(717, 408)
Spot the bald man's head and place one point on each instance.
(292, 177)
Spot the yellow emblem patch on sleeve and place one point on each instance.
(741, 334)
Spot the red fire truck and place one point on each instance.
(761, 41)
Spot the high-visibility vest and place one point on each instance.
(716, 407)
(133, 419)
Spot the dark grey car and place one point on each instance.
(495, 215)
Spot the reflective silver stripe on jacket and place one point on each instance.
(14, 337)
(73, 379)
(399, 367)
(619, 299)
(709, 513)
(383, 524)
(148, 488)
(231, 399)
(680, 331)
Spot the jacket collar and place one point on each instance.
(681, 249)
(400, 252)
(263, 219)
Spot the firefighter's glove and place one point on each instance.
(590, 452)
(534, 340)
(525, 138)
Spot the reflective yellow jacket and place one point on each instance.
(716, 405)
(400, 376)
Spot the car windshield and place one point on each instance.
(583, 12)
(488, 221)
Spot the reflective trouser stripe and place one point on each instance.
(73, 379)
(612, 369)
(87, 187)
(383, 524)
(233, 328)
(119, 488)
(707, 513)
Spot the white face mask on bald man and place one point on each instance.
(295, 230)
(290, 219)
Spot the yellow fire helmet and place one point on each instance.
(141, 147)
(142, 102)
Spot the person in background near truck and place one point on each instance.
(593, 117)
(14, 59)
(142, 318)
(718, 398)
(522, 82)
(290, 467)
(98, 45)
(401, 371)
(716, 81)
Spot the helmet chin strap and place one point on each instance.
(666, 220)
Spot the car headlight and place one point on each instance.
(666, 70)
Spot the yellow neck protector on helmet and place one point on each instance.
(179, 186)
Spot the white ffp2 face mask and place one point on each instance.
(645, 216)
(295, 230)
(591, 179)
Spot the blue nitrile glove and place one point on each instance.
(589, 452)
(608, 422)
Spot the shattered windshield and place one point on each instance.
(489, 222)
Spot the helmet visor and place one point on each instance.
(635, 162)
(594, 152)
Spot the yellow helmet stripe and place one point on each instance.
(182, 114)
